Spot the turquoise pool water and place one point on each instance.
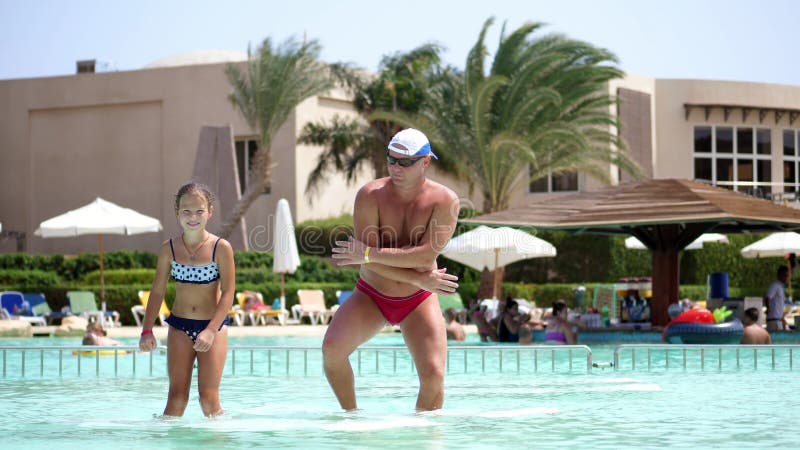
(561, 408)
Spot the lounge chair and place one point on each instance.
(138, 310)
(13, 303)
(341, 297)
(311, 304)
(83, 303)
(261, 316)
(41, 308)
(238, 314)
(274, 315)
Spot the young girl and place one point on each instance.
(202, 266)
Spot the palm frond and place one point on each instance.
(473, 73)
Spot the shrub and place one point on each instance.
(318, 237)
(78, 267)
(256, 267)
(121, 276)
(252, 260)
(28, 278)
(25, 261)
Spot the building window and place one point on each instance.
(737, 158)
(246, 149)
(702, 139)
(560, 182)
(791, 158)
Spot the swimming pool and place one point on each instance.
(555, 406)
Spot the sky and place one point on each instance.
(741, 40)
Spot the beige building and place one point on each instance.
(132, 137)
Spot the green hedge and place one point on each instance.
(698, 292)
(252, 260)
(25, 261)
(28, 278)
(121, 276)
(77, 267)
(759, 272)
(317, 237)
(310, 271)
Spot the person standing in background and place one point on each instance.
(775, 299)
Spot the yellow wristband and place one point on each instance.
(366, 256)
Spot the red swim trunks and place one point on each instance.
(394, 309)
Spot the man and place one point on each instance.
(753, 332)
(402, 222)
(775, 298)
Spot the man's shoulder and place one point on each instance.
(775, 286)
(371, 188)
(374, 185)
(441, 192)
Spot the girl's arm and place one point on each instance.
(227, 284)
(147, 342)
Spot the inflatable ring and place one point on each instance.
(101, 352)
(695, 315)
(704, 333)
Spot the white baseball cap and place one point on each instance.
(411, 142)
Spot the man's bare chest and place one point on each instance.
(403, 225)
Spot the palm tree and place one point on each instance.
(542, 108)
(274, 81)
(352, 143)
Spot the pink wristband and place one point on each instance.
(144, 332)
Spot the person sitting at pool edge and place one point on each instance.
(96, 335)
(754, 334)
(455, 331)
(477, 314)
(559, 330)
(512, 325)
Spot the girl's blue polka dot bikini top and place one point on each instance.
(204, 274)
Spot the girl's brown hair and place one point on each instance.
(194, 188)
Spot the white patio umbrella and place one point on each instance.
(776, 244)
(286, 259)
(99, 217)
(490, 248)
(697, 244)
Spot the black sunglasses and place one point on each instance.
(403, 162)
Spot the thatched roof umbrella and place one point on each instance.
(664, 214)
